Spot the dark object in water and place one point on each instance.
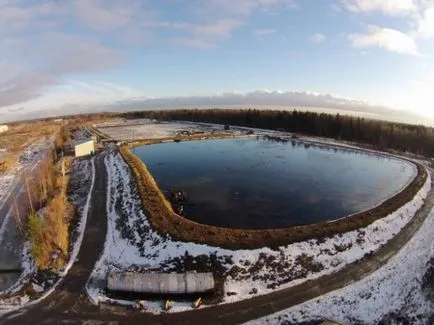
(178, 196)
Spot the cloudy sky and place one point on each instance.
(77, 55)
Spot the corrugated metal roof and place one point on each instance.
(160, 283)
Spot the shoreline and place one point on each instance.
(165, 221)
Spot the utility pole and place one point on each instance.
(17, 217)
(63, 173)
(28, 190)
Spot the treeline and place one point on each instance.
(417, 139)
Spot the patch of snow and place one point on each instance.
(396, 288)
(29, 268)
(147, 249)
(28, 160)
(153, 130)
(33, 150)
(81, 225)
(3, 226)
(7, 180)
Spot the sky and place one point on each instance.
(72, 56)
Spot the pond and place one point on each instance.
(258, 183)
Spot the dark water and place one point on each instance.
(257, 183)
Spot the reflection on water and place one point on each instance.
(257, 183)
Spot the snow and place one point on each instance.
(29, 268)
(3, 226)
(148, 250)
(394, 288)
(9, 179)
(148, 129)
(144, 131)
(32, 151)
(6, 182)
(81, 225)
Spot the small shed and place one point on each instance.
(3, 128)
(84, 148)
(160, 283)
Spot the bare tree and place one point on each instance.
(17, 217)
(28, 190)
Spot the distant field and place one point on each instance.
(145, 129)
(22, 139)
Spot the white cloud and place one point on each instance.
(219, 19)
(386, 38)
(221, 28)
(73, 97)
(247, 7)
(318, 38)
(388, 7)
(82, 97)
(58, 55)
(264, 32)
(194, 43)
(80, 92)
(426, 24)
(108, 15)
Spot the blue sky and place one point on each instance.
(82, 54)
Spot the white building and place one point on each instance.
(84, 148)
(3, 128)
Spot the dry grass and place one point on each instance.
(56, 216)
(181, 138)
(16, 139)
(55, 235)
(164, 220)
(49, 232)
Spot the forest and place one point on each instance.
(383, 135)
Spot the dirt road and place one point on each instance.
(69, 304)
(70, 293)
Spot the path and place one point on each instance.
(11, 237)
(68, 305)
(71, 291)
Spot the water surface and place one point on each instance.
(256, 183)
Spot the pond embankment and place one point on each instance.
(164, 219)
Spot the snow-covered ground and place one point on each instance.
(38, 284)
(30, 153)
(140, 129)
(144, 131)
(401, 291)
(132, 244)
(7, 181)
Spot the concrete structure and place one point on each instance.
(160, 283)
(84, 148)
(3, 128)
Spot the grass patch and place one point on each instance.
(20, 135)
(35, 227)
(48, 230)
